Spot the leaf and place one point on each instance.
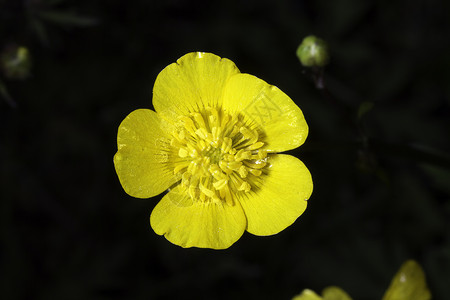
(408, 283)
(335, 293)
(40, 30)
(364, 108)
(307, 295)
(329, 293)
(66, 18)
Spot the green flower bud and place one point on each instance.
(313, 52)
(15, 62)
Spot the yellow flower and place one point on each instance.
(409, 283)
(213, 142)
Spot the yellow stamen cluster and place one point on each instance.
(218, 155)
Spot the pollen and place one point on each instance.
(219, 156)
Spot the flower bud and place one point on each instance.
(15, 62)
(313, 52)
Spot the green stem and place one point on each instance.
(4, 92)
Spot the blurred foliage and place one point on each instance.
(408, 283)
(329, 293)
(15, 62)
(381, 172)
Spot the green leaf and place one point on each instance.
(408, 283)
(40, 30)
(307, 295)
(364, 108)
(66, 18)
(335, 293)
(329, 293)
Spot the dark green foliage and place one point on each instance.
(69, 231)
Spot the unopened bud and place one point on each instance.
(15, 62)
(313, 52)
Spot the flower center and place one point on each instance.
(218, 155)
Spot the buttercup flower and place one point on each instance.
(212, 142)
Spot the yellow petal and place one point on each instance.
(335, 293)
(408, 283)
(307, 295)
(279, 198)
(195, 81)
(142, 161)
(269, 109)
(202, 224)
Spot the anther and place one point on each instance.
(185, 179)
(188, 124)
(242, 154)
(234, 165)
(202, 133)
(206, 191)
(243, 171)
(227, 144)
(199, 119)
(255, 146)
(180, 166)
(225, 119)
(220, 184)
(246, 132)
(255, 172)
(217, 153)
(183, 152)
(245, 186)
(257, 165)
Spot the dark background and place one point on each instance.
(382, 181)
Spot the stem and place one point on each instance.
(6, 95)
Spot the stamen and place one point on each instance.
(228, 197)
(188, 124)
(220, 156)
(245, 186)
(224, 166)
(185, 179)
(183, 152)
(206, 191)
(257, 165)
(180, 166)
(255, 146)
(243, 171)
(226, 118)
(241, 155)
(255, 172)
(234, 165)
(199, 119)
(227, 144)
(220, 184)
(202, 133)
